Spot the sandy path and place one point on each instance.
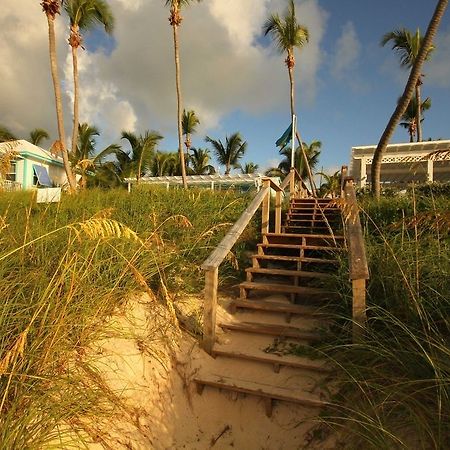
(150, 365)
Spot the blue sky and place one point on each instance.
(347, 85)
(354, 109)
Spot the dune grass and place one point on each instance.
(65, 268)
(394, 385)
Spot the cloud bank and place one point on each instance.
(225, 66)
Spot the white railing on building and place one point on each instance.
(8, 185)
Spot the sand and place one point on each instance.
(149, 363)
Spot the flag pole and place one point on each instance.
(293, 142)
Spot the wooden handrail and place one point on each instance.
(358, 267)
(221, 251)
(212, 263)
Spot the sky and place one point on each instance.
(347, 85)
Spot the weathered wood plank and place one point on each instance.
(210, 306)
(356, 249)
(222, 250)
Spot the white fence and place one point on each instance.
(7, 185)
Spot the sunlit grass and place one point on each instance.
(64, 269)
(394, 385)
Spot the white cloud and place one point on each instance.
(347, 52)
(223, 66)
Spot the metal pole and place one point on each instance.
(293, 141)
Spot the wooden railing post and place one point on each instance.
(292, 184)
(265, 209)
(278, 212)
(344, 173)
(359, 308)
(358, 268)
(209, 312)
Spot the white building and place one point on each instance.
(32, 167)
(404, 163)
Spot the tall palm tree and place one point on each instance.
(51, 8)
(407, 95)
(410, 116)
(200, 162)
(189, 124)
(6, 134)
(84, 159)
(142, 148)
(38, 135)
(288, 34)
(230, 153)
(84, 15)
(407, 45)
(175, 20)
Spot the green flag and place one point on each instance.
(285, 138)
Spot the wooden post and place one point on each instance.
(278, 212)
(209, 312)
(359, 308)
(292, 184)
(265, 209)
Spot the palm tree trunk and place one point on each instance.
(179, 106)
(291, 81)
(406, 97)
(419, 112)
(58, 102)
(75, 99)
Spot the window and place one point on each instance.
(11, 175)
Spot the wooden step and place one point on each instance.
(268, 392)
(277, 361)
(304, 247)
(289, 273)
(281, 307)
(285, 289)
(271, 329)
(295, 259)
(337, 236)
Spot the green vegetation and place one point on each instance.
(64, 268)
(395, 383)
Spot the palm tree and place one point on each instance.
(164, 164)
(288, 34)
(38, 135)
(189, 124)
(407, 45)
(200, 162)
(249, 167)
(407, 94)
(230, 153)
(332, 184)
(84, 15)
(312, 152)
(410, 116)
(84, 159)
(6, 134)
(142, 148)
(175, 20)
(51, 8)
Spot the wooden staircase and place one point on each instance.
(283, 303)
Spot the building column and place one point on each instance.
(363, 173)
(430, 167)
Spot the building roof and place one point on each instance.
(27, 149)
(409, 147)
(254, 178)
